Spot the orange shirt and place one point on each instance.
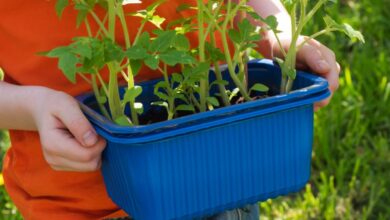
(40, 193)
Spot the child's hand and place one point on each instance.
(318, 58)
(69, 142)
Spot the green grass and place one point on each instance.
(351, 158)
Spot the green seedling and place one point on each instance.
(300, 16)
(167, 46)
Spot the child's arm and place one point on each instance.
(313, 55)
(68, 140)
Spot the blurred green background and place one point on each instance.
(351, 158)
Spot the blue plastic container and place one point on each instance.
(202, 164)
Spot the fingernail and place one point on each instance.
(322, 65)
(89, 138)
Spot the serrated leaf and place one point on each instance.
(215, 54)
(157, 20)
(272, 22)
(144, 40)
(181, 42)
(346, 28)
(59, 51)
(60, 6)
(82, 48)
(152, 7)
(67, 63)
(185, 108)
(177, 77)
(246, 29)
(81, 17)
(259, 88)
(136, 52)
(135, 66)
(112, 51)
(152, 62)
(213, 101)
(174, 57)
(235, 36)
(163, 41)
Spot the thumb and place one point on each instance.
(77, 124)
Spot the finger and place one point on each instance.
(311, 56)
(70, 114)
(60, 143)
(333, 74)
(62, 164)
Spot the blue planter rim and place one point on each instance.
(160, 130)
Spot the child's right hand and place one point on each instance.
(69, 142)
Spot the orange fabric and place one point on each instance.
(28, 27)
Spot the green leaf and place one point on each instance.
(81, 17)
(259, 88)
(82, 47)
(183, 7)
(135, 66)
(181, 42)
(157, 20)
(123, 121)
(59, 51)
(213, 101)
(272, 22)
(132, 93)
(163, 41)
(189, 108)
(152, 7)
(177, 77)
(235, 36)
(67, 63)
(136, 52)
(346, 28)
(112, 51)
(246, 29)
(198, 70)
(152, 62)
(144, 40)
(215, 54)
(60, 6)
(174, 57)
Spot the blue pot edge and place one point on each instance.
(318, 91)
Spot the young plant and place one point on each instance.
(300, 16)
(88, 56)
(218, 16)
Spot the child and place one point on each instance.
(52, 169)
